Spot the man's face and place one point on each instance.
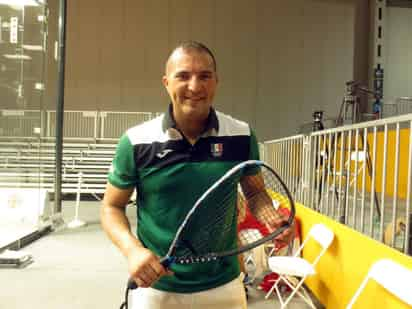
(191, 82)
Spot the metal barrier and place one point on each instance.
(20, 122)
(76, 124)
(359, 175)
(401, 106)
(404, 105)
(95, 125)
(113, 124)
(286, 156)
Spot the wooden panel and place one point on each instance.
(88, 63)
(110, 54)
(223, 50)
(133, 56)
(179, 22)
(155, 22)
(244, 56)
(279, 68)
(202, 21)
(82, 61)
(192, 20)
(338, 54)
(329, 48)
(73, 49)
(277, 61)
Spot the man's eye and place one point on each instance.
(205, 76)
(182, 76)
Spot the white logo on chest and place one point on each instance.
(163, 153)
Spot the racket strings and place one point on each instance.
(264, 209)
(248, 236)
(220, 224)
(212, 227)
(212, 222)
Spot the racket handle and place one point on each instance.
(166, 261)
(131, 284)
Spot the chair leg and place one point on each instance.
(270, 291)
(305, 297)
(295, 290)
(296, 287)
(272, 288)
(279, 293)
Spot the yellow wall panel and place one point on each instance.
(390, 147)
(346, 263)
(390, 161)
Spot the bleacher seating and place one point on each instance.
(30, 163)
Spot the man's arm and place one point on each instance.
(261, 206)
(114, 220)
(144, 266)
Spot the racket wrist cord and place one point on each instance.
(125, 304)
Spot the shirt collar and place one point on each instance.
(169, 121)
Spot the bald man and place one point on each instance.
(170, 161)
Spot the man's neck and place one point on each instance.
(191, 128)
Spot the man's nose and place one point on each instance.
(194, 84)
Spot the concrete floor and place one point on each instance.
(79, 268)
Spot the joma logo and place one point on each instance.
(164, 153)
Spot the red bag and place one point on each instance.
(269, 280)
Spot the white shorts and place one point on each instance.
(228, 296)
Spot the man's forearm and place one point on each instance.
(117, 226)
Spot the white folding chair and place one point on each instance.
(392, 276)
(293, 270)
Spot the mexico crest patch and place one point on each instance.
(216, 149)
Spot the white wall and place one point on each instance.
(398, 47)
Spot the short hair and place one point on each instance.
(196, 46)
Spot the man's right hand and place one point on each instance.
(145, 267)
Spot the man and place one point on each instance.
(171, 160)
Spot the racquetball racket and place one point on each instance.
(200, 237)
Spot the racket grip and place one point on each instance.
(132, 285)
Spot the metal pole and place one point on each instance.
(60, 111)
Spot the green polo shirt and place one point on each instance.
(170, 174)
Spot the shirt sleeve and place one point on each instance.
(253, 155)
(122, 173)
(254, 147)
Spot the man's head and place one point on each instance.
(193, 46)
(191, 80)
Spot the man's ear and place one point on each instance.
(165, 81)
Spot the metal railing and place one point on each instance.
(76, 124)
(359, 175)
(96, 125)
(113, 124)
(286, 156)
(400, 106)
(20, 122)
